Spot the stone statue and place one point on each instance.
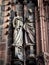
(18, 35)
(29, 27)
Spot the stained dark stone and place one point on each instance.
(8, 9)
(7, 26)
(9, 3)
(6, 33)
(8, 14)
(18, 63)
(7, 20)
(31, 61)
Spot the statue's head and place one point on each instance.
(19, 9)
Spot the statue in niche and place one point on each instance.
(29, 28)
(18, 34)
(29, 23)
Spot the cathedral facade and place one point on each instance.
(24, 32)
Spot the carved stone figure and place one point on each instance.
(29, 27)
(18, 35)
